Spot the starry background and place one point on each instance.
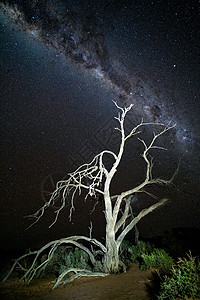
(61, 65)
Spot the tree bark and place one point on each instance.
(111, 257)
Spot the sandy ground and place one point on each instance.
(134, 284)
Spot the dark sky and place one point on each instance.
(61, 65)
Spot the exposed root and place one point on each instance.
(78, 274)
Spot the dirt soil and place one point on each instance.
(134, 284)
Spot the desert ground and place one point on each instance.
(134, 284)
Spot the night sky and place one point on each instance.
(61, 65)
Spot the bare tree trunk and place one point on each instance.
(111, 257)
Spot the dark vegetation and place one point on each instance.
(177, 277)
(174, 257)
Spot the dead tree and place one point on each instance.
(118, 213)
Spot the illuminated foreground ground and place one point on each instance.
(135, 284)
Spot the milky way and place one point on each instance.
(78, 36)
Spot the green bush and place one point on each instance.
(184, 280)
(168, 289)
(123, 253)
(187, 276)
(136, 251)
(158, 259)
(74, 259)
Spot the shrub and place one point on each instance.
(74, 259)
(124, 254)
(184, 280)
(158, 259)
(187, 276)
(136, 251)
(168, 289)
(54, 263)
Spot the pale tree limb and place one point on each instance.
(141, 215)
(95, 171)
(53, 245)
(148, 178)
(145, 211)
(16, 262)
(109, 214)
(124, 216)
(78, 273)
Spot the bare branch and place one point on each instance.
(53, 245)
(95, 171)
(141, 215)
(78, 273)
(124, 215)
(134, 130)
